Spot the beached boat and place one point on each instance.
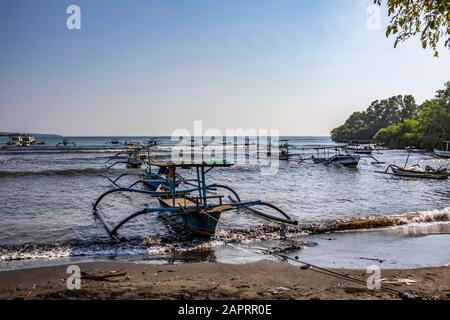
(194, 207)
(339, 158)
(443, 153)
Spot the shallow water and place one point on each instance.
(46, 200)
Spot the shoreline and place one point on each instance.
(264, 280)
(409, 247)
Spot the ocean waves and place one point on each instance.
(56, 172)
(175, 245)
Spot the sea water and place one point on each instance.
(46, 207)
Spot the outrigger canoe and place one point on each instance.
(194, 207)
(417, 172)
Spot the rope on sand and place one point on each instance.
(401, 294)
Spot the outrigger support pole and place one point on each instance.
(118, 162)
(376, 160)
(132, 216)
(112, 231)
(286, 220)
(152, 193)
(114, 182)
(229, 189)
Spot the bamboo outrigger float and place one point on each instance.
(194, 207)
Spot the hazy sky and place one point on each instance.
(149, 67)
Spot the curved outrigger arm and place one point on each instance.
(112, 231)
(114, 182)
(112, 165)
(116, 156)
(286, 219)
(148, 192)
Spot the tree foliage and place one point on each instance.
(429, 18)
(402, 135)
(435, 118)
(398, 122)
(380, 114)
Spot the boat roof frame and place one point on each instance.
(185, 165)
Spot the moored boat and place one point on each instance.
(16, 141)
(417, 172)
(339, 158)
(443, 153)
(359, 150)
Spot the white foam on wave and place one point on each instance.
(436, 215)
(262, 233)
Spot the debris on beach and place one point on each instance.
(373, 259)
(399, 280)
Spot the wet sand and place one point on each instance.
(260, 280)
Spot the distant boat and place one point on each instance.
(285, 153)
(16, 141)
(23, 141)
(443, 153)
(359, 149)
(344, 159)
(66, 143)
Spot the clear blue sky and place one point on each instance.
(148, 67)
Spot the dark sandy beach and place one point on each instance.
(261, 280)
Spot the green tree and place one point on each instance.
(429, 18)
(405, 134)
(435, 119)
(428, 128)
(380, 114)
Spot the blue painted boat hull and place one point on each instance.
(202, 224)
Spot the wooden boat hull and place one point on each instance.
(441, 153)
(199, 223)
(418, 174)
